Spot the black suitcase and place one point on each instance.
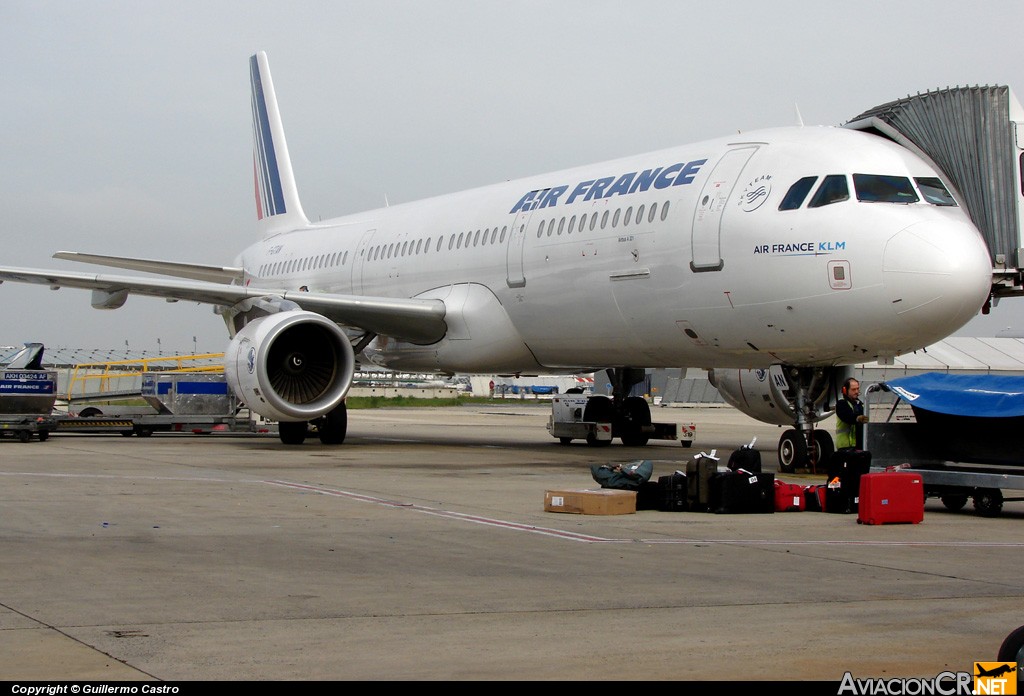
(698, 475)
(742, 493)
(746, 458)
(674, 492)
(843, 480)
(649, 495)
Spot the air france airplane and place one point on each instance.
(772, 258)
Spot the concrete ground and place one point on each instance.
(420, 550)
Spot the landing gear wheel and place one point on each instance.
(792, 451)
(636, 416)
(988, 502)
(333, 426)
(824, 448)
(954, 502)
(599, 409)
(292, 433)
(1012, 650)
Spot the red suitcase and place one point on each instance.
(789, 497)
(891, 497)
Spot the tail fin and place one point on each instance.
(277, 198)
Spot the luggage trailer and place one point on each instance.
(899, 444)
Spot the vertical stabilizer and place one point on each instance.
(277, 199)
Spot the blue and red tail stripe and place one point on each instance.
(269, 192)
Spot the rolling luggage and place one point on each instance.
(843, 480)
(673, 492)
(737, 493)
(891, 497)
(789, 497)
(698, 477)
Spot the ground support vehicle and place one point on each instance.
(581, 417)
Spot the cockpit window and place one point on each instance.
(797, 193)
(832, 190)
(934, 191)
(881, 188)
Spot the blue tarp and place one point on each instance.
(985, 396)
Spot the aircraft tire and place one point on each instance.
(334, 426)
(636, 415)
(824, 448)
(792, 451)
(292, 433)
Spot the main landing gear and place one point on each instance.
(630, 416)
(330, 428)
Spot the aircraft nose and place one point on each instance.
(938, 274)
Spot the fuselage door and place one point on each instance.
(514, 258)
(707, 220)
(359, 261)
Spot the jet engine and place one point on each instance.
(290, 366)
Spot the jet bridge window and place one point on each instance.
(882, 188)
(832, 190)
(797, 193)
(933, 190)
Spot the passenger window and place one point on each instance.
(583, 222)
(639, 215)
(593, 221)
(882, 188)
(934, 191)
(615, 217)
(832, 190)
(629, 215)
(540, 229)
(664, 211)
(797, 193)
(654, 209)
(476, 238)
(503, 231)
(604, 220)
(561, 226)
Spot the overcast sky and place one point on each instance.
(126, 125)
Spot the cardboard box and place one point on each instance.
(588, 501)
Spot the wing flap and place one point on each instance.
(419, 321)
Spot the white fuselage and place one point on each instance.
(680, 257)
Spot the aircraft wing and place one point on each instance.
(195, 271)
(415, 320)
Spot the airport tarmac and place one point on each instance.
(420, 550)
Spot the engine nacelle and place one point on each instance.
(290, 366)
(770, 395)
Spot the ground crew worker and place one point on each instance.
(850, 418)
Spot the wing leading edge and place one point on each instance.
(419, 321)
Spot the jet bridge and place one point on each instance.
(975, 136)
